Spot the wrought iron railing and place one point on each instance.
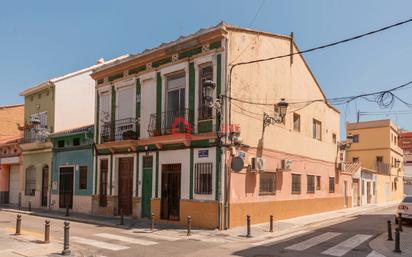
(170, 122)
(33, 135)
(123, 129)
(383, 168)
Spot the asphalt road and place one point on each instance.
(348, 237)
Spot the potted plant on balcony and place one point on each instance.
(129, 135)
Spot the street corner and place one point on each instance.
(383, 246)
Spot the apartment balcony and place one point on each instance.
(170, 122)
(383, 168)
(36, 138)
(120, 130)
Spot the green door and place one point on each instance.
(147, 185)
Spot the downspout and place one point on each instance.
(226, 171)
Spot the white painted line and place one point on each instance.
(125, 239)
(375, 254)
(154, 236)
(280, 238)
(98, 244)
(313, 241)
(347, 245)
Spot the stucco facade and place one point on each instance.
(376, 147)
(191, 170)
(72, 175)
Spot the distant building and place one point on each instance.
(405, 142)
(10, 154)
(376, 147)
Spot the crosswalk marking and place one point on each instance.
(347, 245)
(313, 241)
(98, 244)
(279, 238)
(154, 236)
(375, 254)
(126, 239)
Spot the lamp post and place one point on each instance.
(280, 109)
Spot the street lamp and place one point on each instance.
(208, 89)
(280, 109)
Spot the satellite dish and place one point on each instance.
(237, 164)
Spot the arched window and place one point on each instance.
(30, 188)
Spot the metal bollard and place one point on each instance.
(121, 217)
(67, 211)
(189, 226)
(397, 241)
(390, 231)
(400, 222)
(18, 225)
(66, 245)
(271, 223)
(248, 234)
(47, 231)
(152, 221)
(29, 205)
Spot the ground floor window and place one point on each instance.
(296, 184)
(104, 165)
(310, 184)
(30, 183)
(203, 178)
(332, 185)
(267, 183)
(83, 177)
(318, 181)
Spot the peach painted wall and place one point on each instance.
(244, 186)
(4, 178)
(268, 82)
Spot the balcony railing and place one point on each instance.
(33, 135)
(123, 129)
(170, 122)
(383, 168)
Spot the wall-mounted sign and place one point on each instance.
(203, 153)
(54, 185)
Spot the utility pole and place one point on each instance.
(358, 116)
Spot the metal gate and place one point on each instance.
(170, 201)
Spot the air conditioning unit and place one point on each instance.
(286, 164)
(257, 164)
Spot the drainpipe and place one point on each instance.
(226, 176)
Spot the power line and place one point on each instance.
(384, 98)
(326, 45)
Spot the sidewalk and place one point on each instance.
(259, 231)
(385, 247)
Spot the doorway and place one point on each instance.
(345, 192)
(45, 185)
(170, 198)
(356, 195)
(66, 187)
(368, 192)
(125, 189)
(147, 186)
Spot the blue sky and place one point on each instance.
(44, 39)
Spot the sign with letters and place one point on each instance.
(203, 153)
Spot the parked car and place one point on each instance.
(405, 207)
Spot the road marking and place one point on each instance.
(98, 244)
(154, 236)
(375, 254)
(313, 241)
(347, 245)
(280, 238)
(126, 239)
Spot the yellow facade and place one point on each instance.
(376, 147)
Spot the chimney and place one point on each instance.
(100, 61)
